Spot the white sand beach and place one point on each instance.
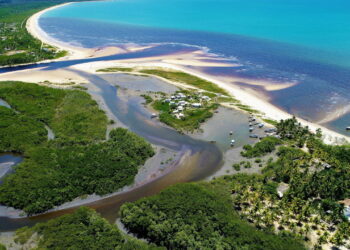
(179, 62)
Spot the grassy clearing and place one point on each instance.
(269, 121)
(187, 79)
(247, 108)
(116, 69)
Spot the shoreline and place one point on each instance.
(270, 111)
(34, 29)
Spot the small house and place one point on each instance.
(196, 105)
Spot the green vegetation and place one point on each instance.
(184, 110)
(246, 108)
(116, 69)
(182, 77)
(60, 109)
(269, 121)
(67, 172)
(300, 192)
(258, 160)
(236, 166)
(148, 99)
(77, 162)
(84, 229)
(2, 247)
(19, 132)
(225, 99)
(17, 45)
(196, 216)
(187, 79)
(266, 145)
(192, 120)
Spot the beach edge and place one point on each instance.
(269, 110)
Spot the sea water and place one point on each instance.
(306, 42)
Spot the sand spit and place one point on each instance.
(184, 63)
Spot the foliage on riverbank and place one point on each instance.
(77, 162)
(55, 174)
(83, 229)
(261, 148)
(72, 114)
(300, 191)
(196, 216)
(17, 45)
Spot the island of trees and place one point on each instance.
(78, 161)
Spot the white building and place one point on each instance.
(196, 105)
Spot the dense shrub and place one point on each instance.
(84, 229)
(193, 216)
(78, 161)
(266, 145)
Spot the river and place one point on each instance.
(198, 159)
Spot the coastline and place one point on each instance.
(246, 97)
(34, 29)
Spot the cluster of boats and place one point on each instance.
(252, 124)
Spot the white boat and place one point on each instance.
(347, 128)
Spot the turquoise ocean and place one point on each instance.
(307, 41)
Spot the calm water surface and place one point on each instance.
(303, 42)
